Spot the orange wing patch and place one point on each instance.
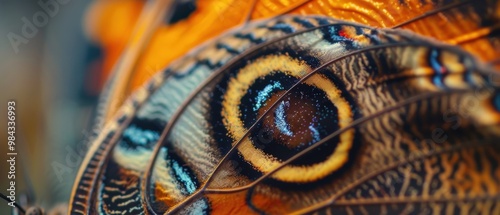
(110, 23)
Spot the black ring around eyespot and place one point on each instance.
(259, 159)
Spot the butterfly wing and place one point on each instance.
(470, 24)
(277, 118)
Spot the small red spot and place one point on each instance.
(443, 70)
(342, 33)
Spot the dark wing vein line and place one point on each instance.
(432, 12)
(236, 144)
(147, 174)
(248, 17)
(354, 124)
(402, 200)
(304, 79)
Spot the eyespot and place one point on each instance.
(312, 110)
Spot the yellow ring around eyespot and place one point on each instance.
(265, 163)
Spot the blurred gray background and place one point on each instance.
(48, 78)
